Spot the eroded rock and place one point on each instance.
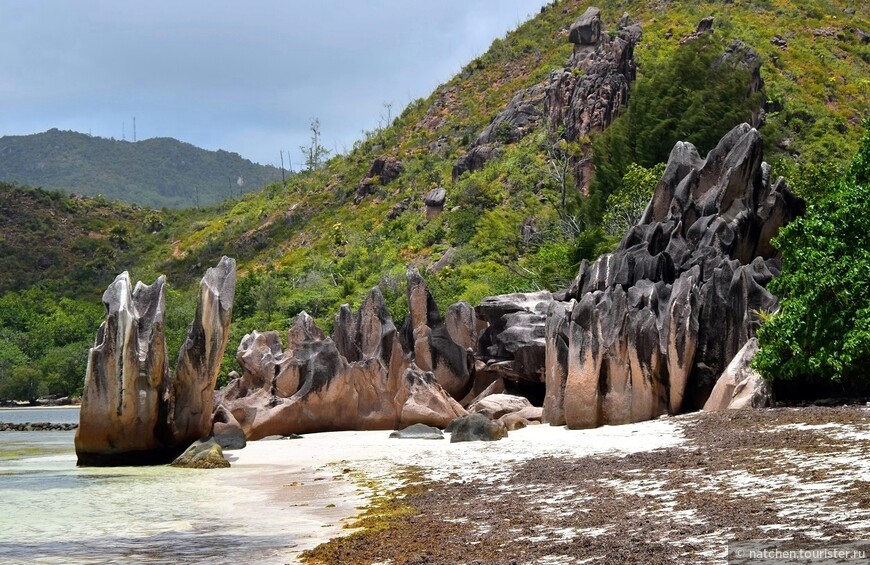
(362, 378)
(650, 327)
(134, 411)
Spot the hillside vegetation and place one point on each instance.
(328, 235)
(158, 172)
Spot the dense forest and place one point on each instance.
(523, 220)
(159, 172)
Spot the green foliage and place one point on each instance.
(626, 205)
(506, 223)
(158, 172)
(25, 383)
(691, 96)
(822, 330)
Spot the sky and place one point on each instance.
(246, 77)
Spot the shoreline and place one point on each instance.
(670, 490)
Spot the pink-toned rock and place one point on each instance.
(364, 380)
(133, 410)
(495, 406)
(739, 386)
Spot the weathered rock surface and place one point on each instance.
(365, 377)
(649, 328)
(587, 29)
(476, 427)
(133, 411)
(426, 334)
(514, 341)
(418, 431)
(191, 400)
(740, 386)
(202, 454)
(474, 160)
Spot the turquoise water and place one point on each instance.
(54, 512)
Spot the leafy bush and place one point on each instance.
(822, 330)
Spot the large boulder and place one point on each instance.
(740, 386)
(383, 170)
(587, 29)
(495, 406)
(134, 411)
(514, 341)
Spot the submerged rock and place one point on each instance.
(418, 431)
(202, 454)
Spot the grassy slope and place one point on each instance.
(312, 229)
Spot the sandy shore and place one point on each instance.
(670, 490)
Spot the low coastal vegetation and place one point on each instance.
(313, 243)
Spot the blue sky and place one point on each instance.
(241, 76)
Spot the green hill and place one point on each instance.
(328, 235)
(158, 172)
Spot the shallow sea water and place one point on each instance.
(54, 512)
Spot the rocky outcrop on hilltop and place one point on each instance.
(368, 375)
(649, 328)
(133, 409)
(583, 97)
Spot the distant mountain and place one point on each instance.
(158, 172)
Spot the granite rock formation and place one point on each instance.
(585, 96)
(133, 410)
(647, 330)
(367, 376)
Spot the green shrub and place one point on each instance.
(822, 330)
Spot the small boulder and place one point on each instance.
(476, 427)
(418, 431)
(202, 454)
(227, 431)
(495, 406)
